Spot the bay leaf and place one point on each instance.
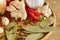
(38, 29)
(34, 36)
(50, 20)
(43, 24)
(11, 31)
(47, 22)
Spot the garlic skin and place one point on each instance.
(20, 13)
(1, 30)
(35, 3)
(5, 21)
(45, 10)
(2, 6)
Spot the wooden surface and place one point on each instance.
(55, 5)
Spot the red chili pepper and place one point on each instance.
(31, 10)
(34, 14)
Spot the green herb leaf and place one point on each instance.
(38, 29)
(43, 24)
(47, 22)
(34, 36)
(11, 31)
(50, 20)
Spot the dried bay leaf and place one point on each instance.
(37, 29)
(47, 22)
(51, 20)
(11, 31)
(34, 36)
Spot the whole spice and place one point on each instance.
(34, 36)
(46, 11)
(34, 14)
(11, 30)
(38, 29)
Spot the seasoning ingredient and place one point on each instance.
(2, 6)
(34, 36)
(11, 31)
(1, 30)
(45, 10)
(34, 14)
(37, 29)
(5, 21)
(17, 9)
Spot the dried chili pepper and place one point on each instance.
(34, 14)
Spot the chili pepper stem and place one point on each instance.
(40, 18)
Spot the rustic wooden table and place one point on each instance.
(55, 5)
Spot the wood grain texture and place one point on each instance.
(55, 6)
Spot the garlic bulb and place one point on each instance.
(35, 3)
(5, 21)
(1, 30)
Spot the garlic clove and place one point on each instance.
(47, 12)
(40, 9)
(45, 7)
(1, 30)
(35, 3)
(5, 21)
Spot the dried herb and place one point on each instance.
(34, 36)
(11, 31)
(37, 29)
(50, 20)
